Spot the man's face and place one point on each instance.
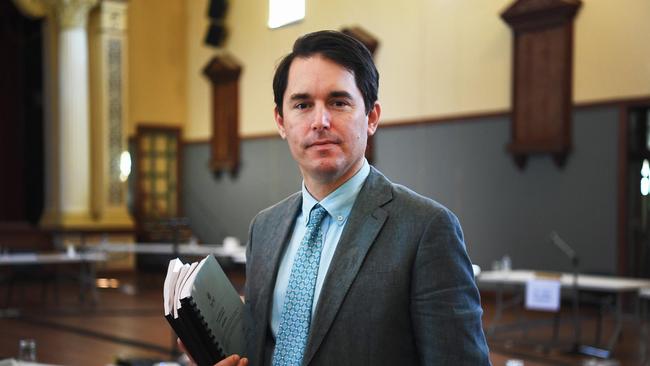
(324, 120)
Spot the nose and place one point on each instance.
(322, 118)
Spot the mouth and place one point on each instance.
(318, 143)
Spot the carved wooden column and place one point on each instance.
(542, 77)
(223, 71)
(108, 55)
(371, 42)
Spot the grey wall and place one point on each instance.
(220, 206)
(463, 165)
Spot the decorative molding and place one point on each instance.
(630, 101)
(223, 68)
(68, 13)
(72, 13)
(525, 15)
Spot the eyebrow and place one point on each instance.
(299, 96)
(340, 94)
(333, 94)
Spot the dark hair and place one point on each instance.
(339, 48)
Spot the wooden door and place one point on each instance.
(157, 193)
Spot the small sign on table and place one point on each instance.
(543, 294)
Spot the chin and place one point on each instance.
(327, 169)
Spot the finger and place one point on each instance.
(232, 360)
(243, 362)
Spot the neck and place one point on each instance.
(319, 191)
(320, 188)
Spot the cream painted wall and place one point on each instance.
(157, 63)
(436, 57)
(612, 50)
(199, 113)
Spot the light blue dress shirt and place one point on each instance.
(338, 205)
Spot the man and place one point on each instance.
(352, 270)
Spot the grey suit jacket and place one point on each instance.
(399, 291)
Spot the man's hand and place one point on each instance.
(232, 360)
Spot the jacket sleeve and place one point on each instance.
(445, 303)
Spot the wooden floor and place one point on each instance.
(127, 322)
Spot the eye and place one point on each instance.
(340, 103)
(301, 106)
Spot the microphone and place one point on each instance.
(569, 252)
(564, 247)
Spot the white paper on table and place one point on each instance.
(542, 294)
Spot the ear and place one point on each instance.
(373, 118)
(279, 122)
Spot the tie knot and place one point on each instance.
(316, 215)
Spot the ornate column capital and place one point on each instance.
(72, 13)
(68, 13)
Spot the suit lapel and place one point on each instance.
(364, 223)
(270, 250)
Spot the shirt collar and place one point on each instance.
(338, 203)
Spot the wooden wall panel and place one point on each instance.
(542, 77)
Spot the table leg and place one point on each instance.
(618, 323)
(87, 283)
(91, 282)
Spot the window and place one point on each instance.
(283, 12)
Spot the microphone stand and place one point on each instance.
(569, 252)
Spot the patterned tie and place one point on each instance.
(296, 314)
